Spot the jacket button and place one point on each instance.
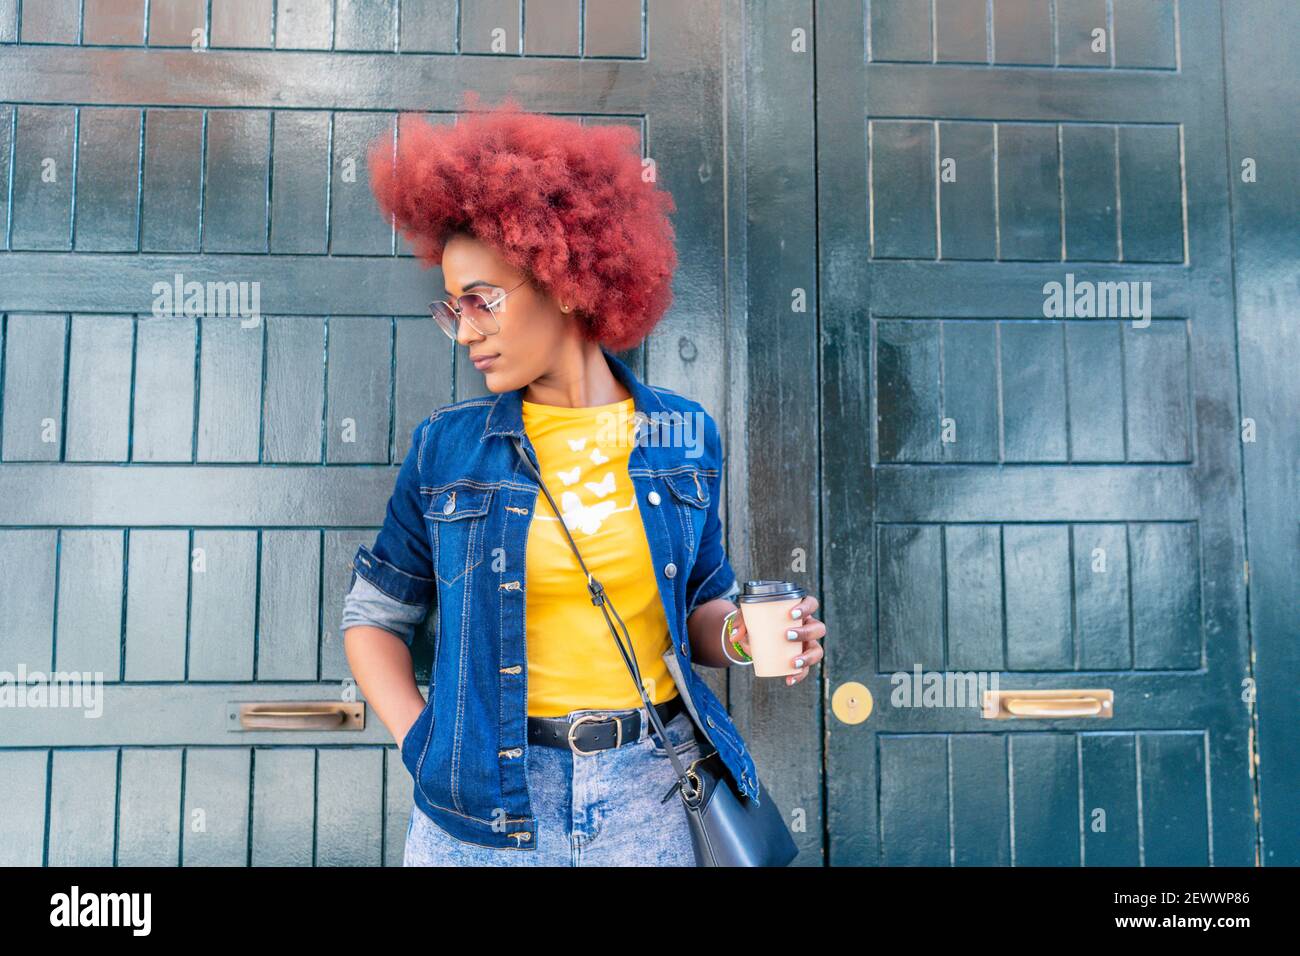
(685, 650)
(653, 497)
(449, 507)
(670, 569)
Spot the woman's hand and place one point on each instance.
(381, 663)
(806, 644)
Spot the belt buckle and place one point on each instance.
(583, 718)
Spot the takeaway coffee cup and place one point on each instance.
(765, 606)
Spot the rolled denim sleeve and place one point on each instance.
(392, 584)
(365, 604)
(712, 576)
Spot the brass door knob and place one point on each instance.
(852, 702)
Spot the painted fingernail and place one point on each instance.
(796, 612)
(792, 635)
(798, 662)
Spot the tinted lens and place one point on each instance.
(475, 308)
(445, 317)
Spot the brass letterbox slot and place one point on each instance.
(1048, 704)
(297, 715)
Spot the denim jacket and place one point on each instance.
(453, 544)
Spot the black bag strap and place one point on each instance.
(602, 601)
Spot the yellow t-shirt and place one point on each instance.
(573, 662)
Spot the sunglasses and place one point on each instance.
(474, 308)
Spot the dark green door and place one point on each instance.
(181, 492)
(1051, 496)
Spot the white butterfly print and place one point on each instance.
(602, 488)
(585, 519)
(570, 476)
(597, 457)
(576, 444)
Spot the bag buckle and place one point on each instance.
(697, 787)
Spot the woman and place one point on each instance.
(535, 747)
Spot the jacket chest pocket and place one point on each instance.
(690, 494)
(457, 516)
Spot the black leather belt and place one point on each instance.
(588, 733)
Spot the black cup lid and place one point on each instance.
(770, 591)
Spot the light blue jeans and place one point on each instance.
(602, 809)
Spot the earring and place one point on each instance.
(564, 308)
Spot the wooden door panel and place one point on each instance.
(1054, 494)
(183, 484)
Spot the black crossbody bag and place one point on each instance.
(727, 828)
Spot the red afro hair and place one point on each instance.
(563, 202)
